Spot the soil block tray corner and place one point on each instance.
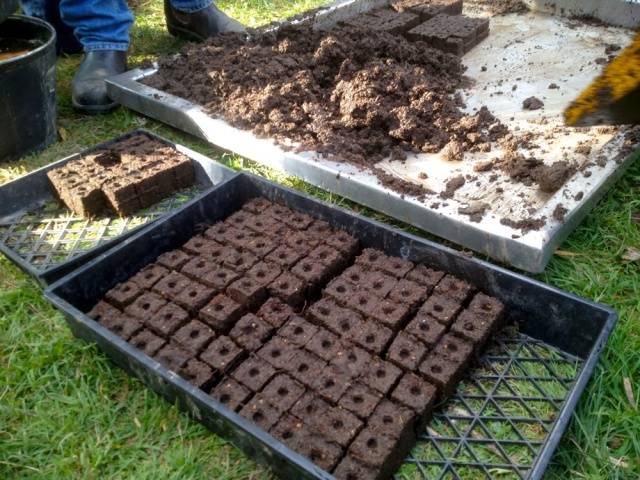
(504, 419)
(47, 240)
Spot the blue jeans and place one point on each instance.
(97, 24)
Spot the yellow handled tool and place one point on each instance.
(614, 97)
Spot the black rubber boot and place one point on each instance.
(88, 89)
(198, 26)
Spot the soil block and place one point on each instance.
(314, 273)
(355, 360)
(442, 372)
(346, 244)
(123, 294)
(454, 348)
(150, 275)
(473, 327)
(324, 454)
(372, 258)
(219, 278)
(381, 375)
(332, 383)
(391, 314)
(360, 400)
(231, 394)
(442, 308)
(250, 332)
(415, 393)
(288, 288)
(247, 292)
(406, 352)
(240, 261)
(452, 34)
(392, 419)
(380, 284)
(254, 373)
(364, 303)
(454, 288)
(425, 276)
(489, 307)
(275, 312)
(200, 245)
(261, 245)
(198, 374)
(194, 297)
(328, 256)
(341, 290)
(167, 320)
(426, 329)
(174, 259)
(171, 285)
(298, 221)
(290, 431)
(408, 292)
(173, 357)
(377, 451)
(371, 336)
(222, 354)
(396, 266)
(197, 267)
(351, 469)
(325, 345)
(194, 336)
(337, 425)
(146, 304)
(264, 273)
(221, 313)
(122, 325)
(257, 205)
(278, 352)
(298, 331)
(283, 392)
(305, 367)
(303, 242)
(147, 342)
(261, 412)
(284, 256)
(103, 310)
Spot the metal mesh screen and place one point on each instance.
(52, 235)
(498, 420)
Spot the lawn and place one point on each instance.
(67, 412)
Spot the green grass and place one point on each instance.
(67, 412)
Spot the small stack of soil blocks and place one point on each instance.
(131, 174)
(338, 352)
(439, 23)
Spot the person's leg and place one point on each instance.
(197, 19)
(49, 10)
(102, 27)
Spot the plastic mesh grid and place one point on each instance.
(52, 235)
(497, 422)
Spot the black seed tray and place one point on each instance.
(554, 338)
(47, 240)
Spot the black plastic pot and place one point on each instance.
(27, 89)
(7, 7)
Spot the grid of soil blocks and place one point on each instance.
(131, 174)
(439, 23)
(339, 352)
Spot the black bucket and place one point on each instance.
(27, 86)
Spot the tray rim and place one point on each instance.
(53, 273)
(193, 394)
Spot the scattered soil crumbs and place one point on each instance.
(532, 103)
(559, 212)
(526, 225)
(349, 94)
(529, 171)
(475, 211)
(452, 186)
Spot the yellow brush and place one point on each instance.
(614, 97)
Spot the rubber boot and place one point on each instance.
(88, 89)
(200, 25)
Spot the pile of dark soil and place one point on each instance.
(349, 94)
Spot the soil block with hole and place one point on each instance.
(360, 400)
(122, 325)
(290, 430)
(148, 342)
(198, 374)
(194, 297)
(275, 312)
(146, 304)
(149, 276)
(305, 367)
(443, 308)
(253, 373)
(297, 331)
(173, 357)
(332, 383)
(278, 352)
(417, 394)
(194, 336)
(222, 354)
(167, 320)
(283, 392)
(288, 288)
(406, 352)
(231, 394)
(261, 412)
(351, 469)
(247, 292)
(123, 294)
(325, 345)
(385, 20)
(174, 260)
(381, 375)
(250, 332)
(442, 372)
(221, 313)
(426, 329)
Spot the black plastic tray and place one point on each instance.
(47, 240)
(559, 334)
